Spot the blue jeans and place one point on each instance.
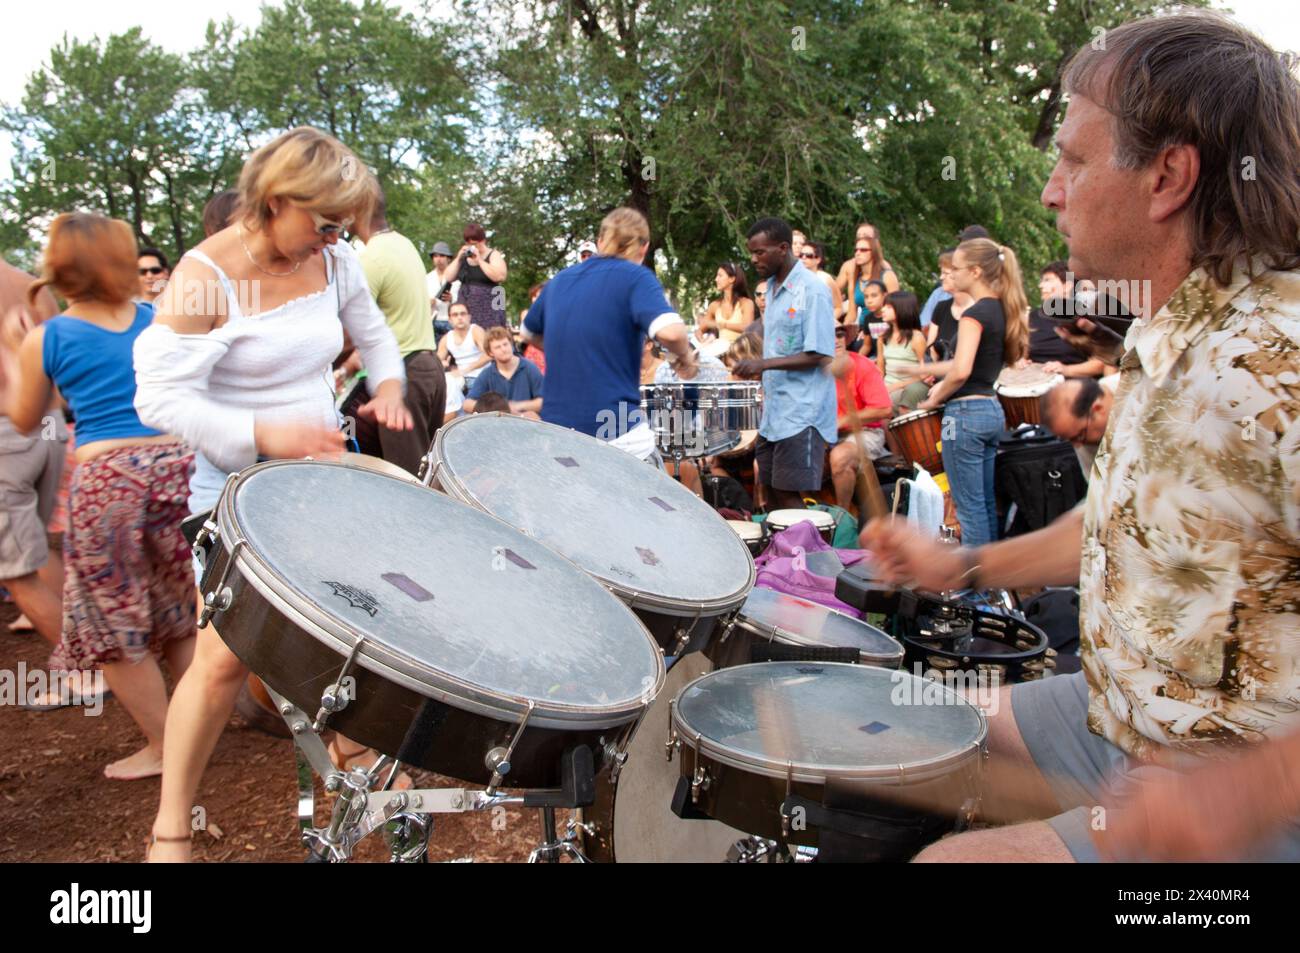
(971, 429)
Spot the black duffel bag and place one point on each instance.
(1037, 477)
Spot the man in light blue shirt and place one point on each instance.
(798, 394)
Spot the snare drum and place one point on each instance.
(698, 420)
(916, 438)
(648, 539)
(754, 535)
(778, 520)
(777, 625)
(1019, 391)
(443, 661)
(802, 753)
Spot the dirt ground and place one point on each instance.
(56, 805)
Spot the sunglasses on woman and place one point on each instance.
(326, 228)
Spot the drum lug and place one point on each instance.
(336, 697)
(789, 788)
(672, 745)
(218, 600)
(700, 776)
(616, 759)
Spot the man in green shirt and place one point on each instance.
(395, 273)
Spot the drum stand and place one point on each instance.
(365, 804)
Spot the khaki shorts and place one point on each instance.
(29, 484)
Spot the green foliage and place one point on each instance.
(539, 116)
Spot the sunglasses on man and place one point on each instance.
(152, 271)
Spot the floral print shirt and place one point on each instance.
(1190, 579)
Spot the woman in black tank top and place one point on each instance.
(991, 334)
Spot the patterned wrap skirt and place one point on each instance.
(128, 588)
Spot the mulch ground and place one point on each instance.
(56, 805)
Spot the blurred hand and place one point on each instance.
(1092, 339)
(14, 326)
(687, 367)
(902, 555)
(1053, 367)
(914, 371)
(387, 408)
(749, 369)
(1023, 363)
(292, 440)
(1208, 814)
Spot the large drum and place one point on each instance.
(648, 539)
(775, 624)
(1019, 390)
(871, 763)
(632, 818)
(916, 437)
(698, 420)
(445, 634)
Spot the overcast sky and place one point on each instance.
(179, 28)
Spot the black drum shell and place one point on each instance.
(737, 648)
(752, 802)
(385, 715)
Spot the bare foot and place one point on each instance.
(145, 763)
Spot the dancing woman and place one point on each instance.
(244, 374)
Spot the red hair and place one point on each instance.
(89, 256)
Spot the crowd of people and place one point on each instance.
(274, 338)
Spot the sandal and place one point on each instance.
(155, 839)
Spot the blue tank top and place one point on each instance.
(92, 367)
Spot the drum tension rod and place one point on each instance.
(335, 697)
(218, 600)
(498, 761)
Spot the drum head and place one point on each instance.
(455, 604)
(645, 828)
(828, 721)
(902, 419)
(797, 621)
(787, 518)
(746, 529)
(627, 523)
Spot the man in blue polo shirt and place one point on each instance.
(799, 420)
(592, 321)
(515, 378)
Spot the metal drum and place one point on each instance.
(776, 625)
(916, 437)
(754, 534)
(421, 627)
(648, 539)
(1019, 389)
(778, 520)
(632, 820)
(701, 419)
(862, 763)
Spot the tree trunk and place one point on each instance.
(1047, 118)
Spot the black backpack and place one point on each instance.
(1037, 477)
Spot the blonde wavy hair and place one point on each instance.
(312, 170)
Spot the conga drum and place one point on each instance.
(916, 437)
(1019, 390)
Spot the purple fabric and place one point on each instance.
(783, 567)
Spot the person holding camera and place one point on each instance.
(481, 271)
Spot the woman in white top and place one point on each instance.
(465, 343)
(238, 363)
